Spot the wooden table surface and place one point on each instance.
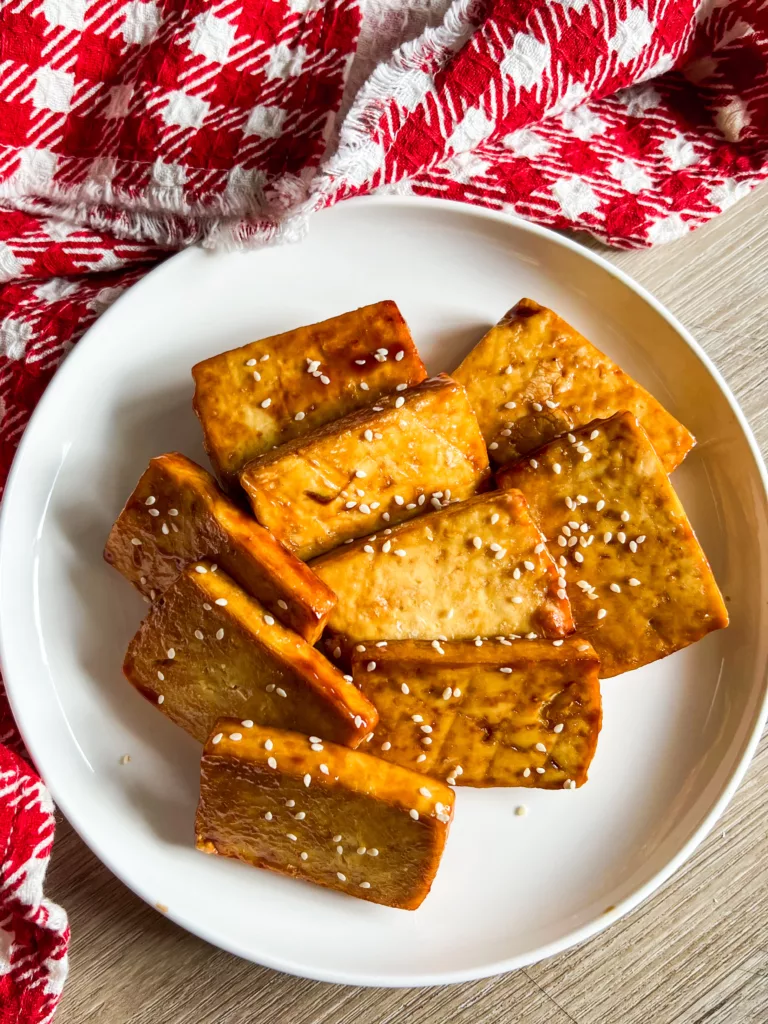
(695, 952)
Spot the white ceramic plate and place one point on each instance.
(676, 736)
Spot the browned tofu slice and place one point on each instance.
(178, 514)
(313, 810)
(478, 568)
(533, 377)
(640, 585)
(377, 466)
(253, 398)
(493, 713)
(206, 649)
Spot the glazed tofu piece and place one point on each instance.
(477, 568)
(490, 713)
(411, 452)
(251, 399)
(640, 585)
(206, 649)
(323, 813)
(178, 515)
(533, 376)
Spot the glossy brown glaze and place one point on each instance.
(209, 650)
(375, 467)
(178, 515)
(495, 713)
(322, 813)
(427, 578)
(640, 585)
(253, 398)
(554, 380)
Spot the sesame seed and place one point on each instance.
(557, 467)
(135, 541)
(582, 499)
(601, 613)
(341, 877)
(578, 556)
(569, 502)
(557, 643)
(371, 666)
(368, 435)
(363, 385)
(587, 457)
(219, 634)
(641, 539)
(447, 693)
(268, 744)
(264, 358)
(154, 512)
(340, 850)
(421, 757)
(539, 771)
(400, 552)
(426, 740)
(526, 773)
(386, 746)
(299, 416)
(266, 403)
(581, 449)
(539, 549)
(625, 516)
(238, 736)
(269, 687)
(283, 604)
(633, 582)
(303, 855)
(280, 692)
(506, 671)
(324, 379)
(541, 747)
(510, 405)
(199, 634)
(516, 574)
(414, 814)
(562, 541)
(399, 355)
(316, 746)
(615, 588)
(537, 406)
(324, 769)
(425, 792)
(562, 594)
(291, 836)
(494, 518)
(404, 688)
(572, 542)
(533, 464)
(621, 537)
(399, 402)
(521, 810)
(256, 376)
(550, 404)
(221, 601)
(517, 600)
(558, 728)
(269, 620)
(600, 505)
(608, 537)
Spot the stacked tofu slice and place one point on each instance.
(465, 620)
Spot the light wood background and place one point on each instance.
(695, 953)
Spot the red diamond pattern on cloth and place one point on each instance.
(130, 128)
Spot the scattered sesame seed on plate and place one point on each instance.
(521, 810)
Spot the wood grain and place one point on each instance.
(695, 953)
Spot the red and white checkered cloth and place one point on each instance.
(129, 128)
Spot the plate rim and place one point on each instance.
(339, 975)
